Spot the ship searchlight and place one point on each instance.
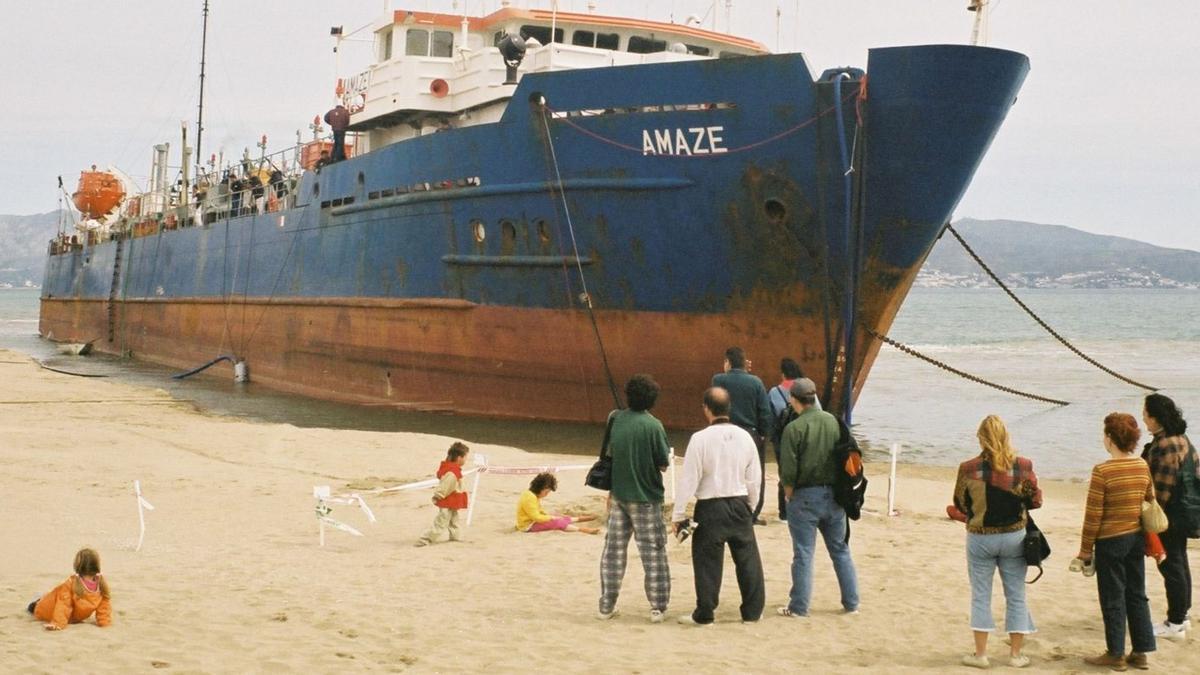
(512, 50)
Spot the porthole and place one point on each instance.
(508, 237)
(479, 230)
(543, 232)
(776, 211)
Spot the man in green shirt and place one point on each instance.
(807, 470)
(638, 447)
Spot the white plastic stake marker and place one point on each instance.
(322, 494)
(671, 469)
(891, 506)
(481, 462)
(143, 506)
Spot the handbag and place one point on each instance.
(1035, 547)
(1154, 519)
(600, 475)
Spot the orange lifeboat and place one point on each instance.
(99, 192)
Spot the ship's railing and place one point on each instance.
(243, 187)
(469, 80)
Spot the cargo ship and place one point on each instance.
(539, 204)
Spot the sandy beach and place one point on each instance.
(231, 578)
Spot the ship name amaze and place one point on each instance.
(679, 141)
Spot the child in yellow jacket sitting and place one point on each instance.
(531, 517)
(77, 598)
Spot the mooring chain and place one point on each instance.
(973, 378)
(1038, 319)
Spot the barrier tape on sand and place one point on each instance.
(325, 497)
(532, 470)
(143, 506)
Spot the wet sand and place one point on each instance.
(231, 579)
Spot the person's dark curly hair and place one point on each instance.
(543, 481)
(641, 391)
(1167, 414)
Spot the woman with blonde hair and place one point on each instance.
(994, 491)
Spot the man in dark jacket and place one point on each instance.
(338, 119)
(750, 409)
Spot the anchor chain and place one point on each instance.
(1038, 319)
(973, 378)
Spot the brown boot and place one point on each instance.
(1138, 660)
(1115, 662)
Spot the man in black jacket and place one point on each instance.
(750, 409)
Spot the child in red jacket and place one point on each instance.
(75, 599)
(449, 496)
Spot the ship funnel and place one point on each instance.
(512, 50)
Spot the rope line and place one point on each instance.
(587, 297)
(757, 144)
(1038, 319)
(973, 378)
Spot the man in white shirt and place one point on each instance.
(722, 472)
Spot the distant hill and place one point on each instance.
(1031, 255)
(23, 241)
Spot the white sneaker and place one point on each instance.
(1018, 661)
(975, 661)
(1170, 631)
(657, 616)
(605, 616)
(687, 620)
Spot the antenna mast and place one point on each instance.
(979, 31)
(200, 113)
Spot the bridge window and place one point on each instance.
(587, 38)
(642, 45)
(385, 45)
(541, 33)
(417, 42)
(443, 44)
(698, 50)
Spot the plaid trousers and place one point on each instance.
(644, 521)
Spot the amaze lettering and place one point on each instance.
(690, 141)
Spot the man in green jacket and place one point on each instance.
(638, 447)
(807, 470)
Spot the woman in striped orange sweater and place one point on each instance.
(1112, 537)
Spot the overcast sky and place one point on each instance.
(1103, 137)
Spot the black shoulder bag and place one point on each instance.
(1035, 546)
(600, 475)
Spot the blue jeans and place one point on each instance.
(985, 553)
(811, 509)
(1121, 581)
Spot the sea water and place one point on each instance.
(1149, 335)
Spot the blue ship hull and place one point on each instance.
(707, 201)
